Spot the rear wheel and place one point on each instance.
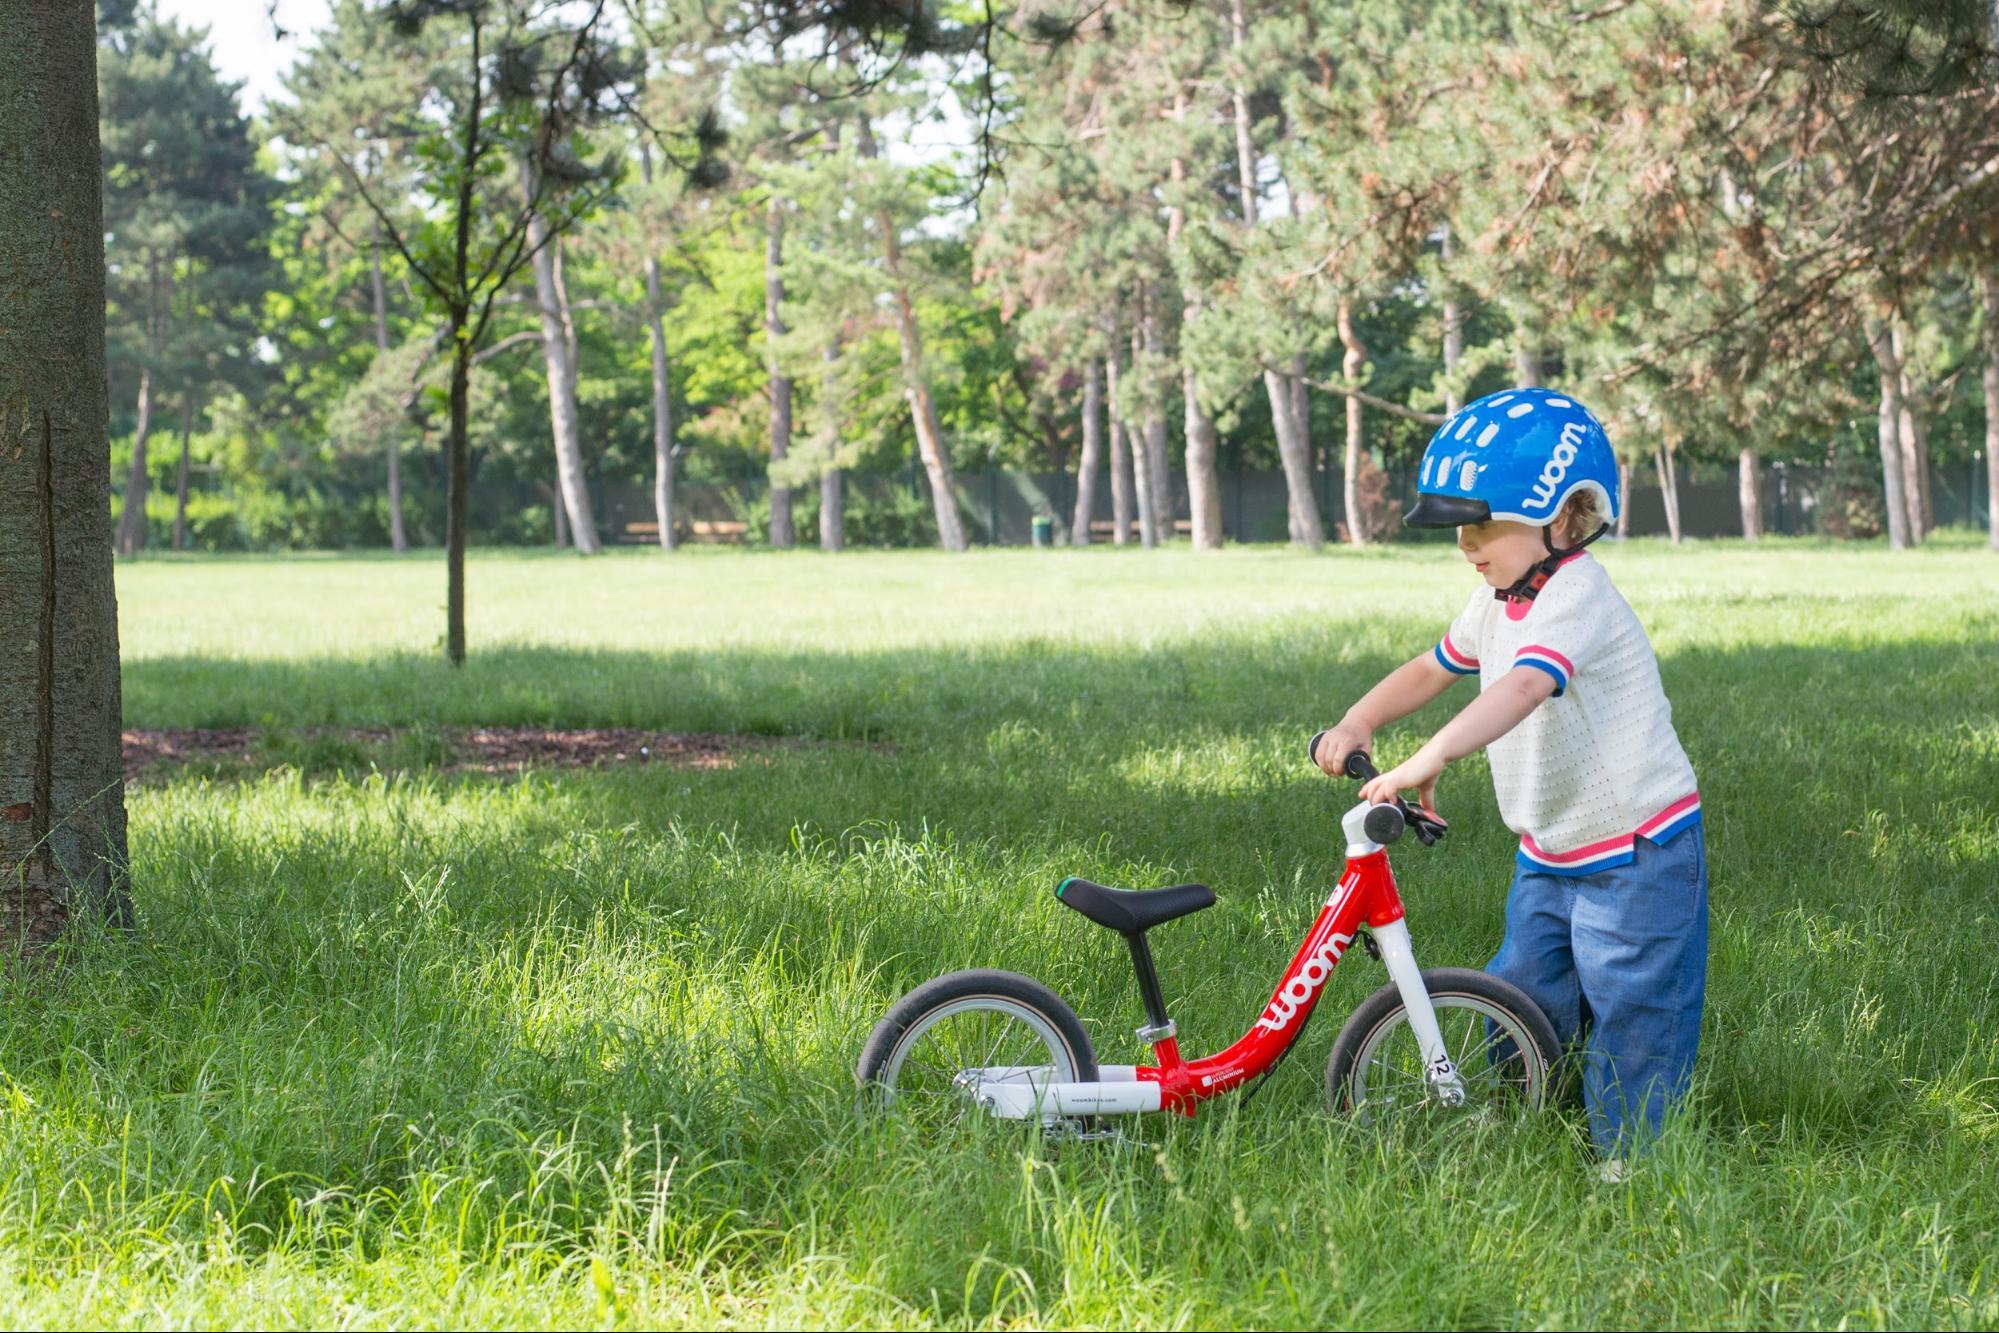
(1504, 1048)
(948, 1042)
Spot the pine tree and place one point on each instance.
(186, 211)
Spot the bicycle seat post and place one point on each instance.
(1158, 1026)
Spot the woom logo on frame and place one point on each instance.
(1304, 983)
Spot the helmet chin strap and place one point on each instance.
(1529, 585)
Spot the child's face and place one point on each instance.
(1500, 550)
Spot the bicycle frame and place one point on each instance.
(1366, 894)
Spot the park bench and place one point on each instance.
(700, 530)
(1106, 528)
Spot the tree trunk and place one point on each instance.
(398, 539)
(1526, 359)
(1121, 478)
(1669, 488)
(662, 384)
(1890, 434)
(559, 359)
(1302, 506)
(916, 377)
(1141, 458)
(62, 792)
(1454, 329)
(458, 493)
(832, 481)
(1915, 445)
(1988, 289)
(1204, 490)
(180, 474)
(1157, 465)
(132, 521)
(662, 412)
(1356, 456)
(561, 512)
(1294, 450)
(781, 534)
(1204, 485)
(1091, 460)
(1749, 492)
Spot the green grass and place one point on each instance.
(394, 1048)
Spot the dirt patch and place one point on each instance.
(464, 750)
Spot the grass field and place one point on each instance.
(397, 1048)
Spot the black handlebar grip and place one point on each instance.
(1361, 769)
(1384, 823)
(1312, 746)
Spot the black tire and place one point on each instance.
(884, 1072)
(1464, 1000)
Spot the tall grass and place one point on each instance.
(397, 1048)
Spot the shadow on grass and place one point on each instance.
(364, 982)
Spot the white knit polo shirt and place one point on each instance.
(1597, 765)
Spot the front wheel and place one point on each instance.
(940, 1046)
(1504, 1048)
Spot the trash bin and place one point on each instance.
(1044, 530)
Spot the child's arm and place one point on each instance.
(1400, 693)
(1484, 720)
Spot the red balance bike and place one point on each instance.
(1441, 1041)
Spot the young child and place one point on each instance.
(1606, 923)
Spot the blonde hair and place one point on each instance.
(1581, 515)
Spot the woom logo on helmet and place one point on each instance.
(1557, 467)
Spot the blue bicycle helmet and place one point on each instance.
(1518, 454)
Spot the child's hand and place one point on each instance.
(1420, 771)
(1337, 743)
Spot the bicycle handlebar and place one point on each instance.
(1386, 822)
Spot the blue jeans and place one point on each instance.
(1618, 957)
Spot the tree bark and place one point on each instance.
(398, 538)
(781, 533)
(132, 521)
(180, 474)
(1890, 433)
(558, 354)
(1091, 459)
(1988, 290)
(62, 795)
(1749, 491)
(1915, 445)
(1454, 328)
(1356, 455)
(1669, 488)
(1121, 478)
(916, 377)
